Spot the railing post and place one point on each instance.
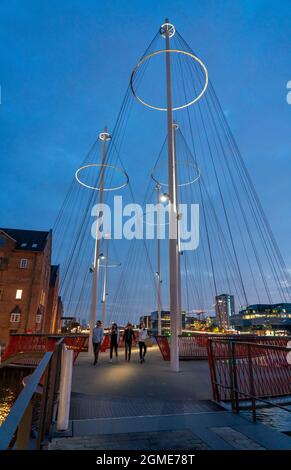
(65, 390)
(43, 407)
(235, 384)
(24, 429)
(53, 384)
(229, 348)
(252, 385)
(212, 368)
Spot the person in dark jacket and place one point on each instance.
(128, 337)
(114, 340)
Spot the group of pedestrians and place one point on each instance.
(128, 337)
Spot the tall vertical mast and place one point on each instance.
(105, 284)
(173, 252)
(158, 187)
(104, 136)
(179, 317)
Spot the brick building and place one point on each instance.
(29, 300)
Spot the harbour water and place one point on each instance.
(10, 387)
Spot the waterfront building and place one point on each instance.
(165, 322)
(29, 301)
(264, 317)
(224, 310)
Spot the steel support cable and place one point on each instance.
(204, 214)
(276, 252)
(266, 287)
(258, 224)
(222, 200)
(234, 212)
(202, 202)
(237, 153)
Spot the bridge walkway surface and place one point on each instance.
(127, 406)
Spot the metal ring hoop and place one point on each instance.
(177, 51)
(153, 225)
(116, 168)
(110, 265)
(193, 165)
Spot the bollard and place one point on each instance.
(65, 389)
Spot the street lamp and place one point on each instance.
(164, 197)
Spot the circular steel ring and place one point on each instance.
(170, 28)
(193, 165)
(117, 169)
(177, 51)
(154, 225)
(110, 265)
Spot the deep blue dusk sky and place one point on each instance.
(65, 66)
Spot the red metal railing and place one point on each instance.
(26, 343)
(242, 370)
(106, 342)
(194, 347)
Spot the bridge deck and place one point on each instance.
(146, 406)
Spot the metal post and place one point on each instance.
(93, 310)
(65, 389)
(105, 285)
(24, 429)
(158, 187)
(179, 316)
(235, 384)
(252, 385)
(43, 407)
(173, 258)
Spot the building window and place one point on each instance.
(23, 263)
(34, 245)
(38, 318)
(18, 295)
(23, 245)
(14, 317)
(1, 293)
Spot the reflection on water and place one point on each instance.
(10, 387)
(274, 417)
(7, 398)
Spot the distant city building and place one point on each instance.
(264, 317)
(165, 322)
(29, 301)
(224, 310)
(147, 321)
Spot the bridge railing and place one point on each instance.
(194, 346)
(250, 371)
(30, 419)
(29, 343)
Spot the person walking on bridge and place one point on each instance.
(97, 339)
(128, 336)
(142, 338)
(114, 340)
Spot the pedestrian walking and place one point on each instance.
(97, 339)
(128, 337)
(114, 340)
(142, 338)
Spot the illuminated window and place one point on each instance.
(18, 295)
(34, 245)
(23, 263)
(38, 318)
(23, 245)
(14, 317)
